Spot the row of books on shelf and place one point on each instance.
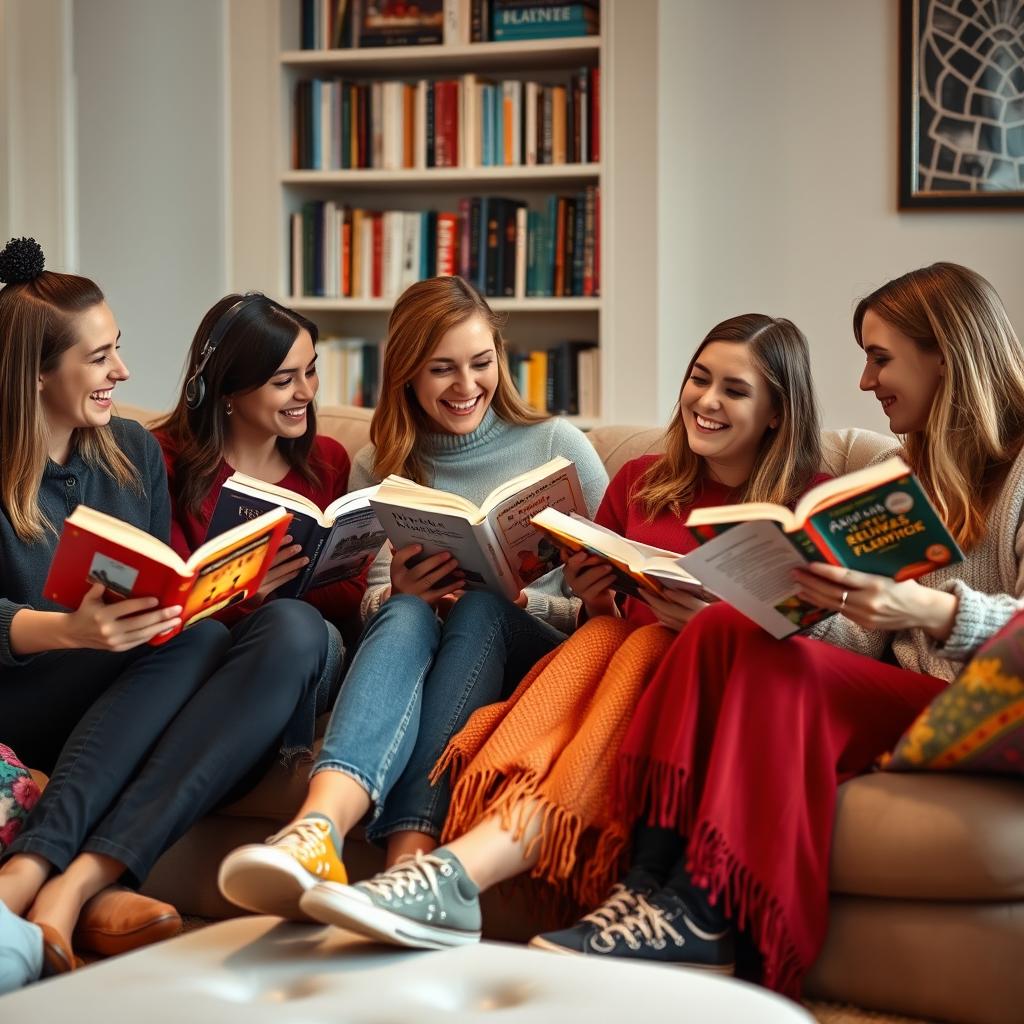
(343, 24)
(563, 379)
(499, 245)
(459, 122)
(746, 554)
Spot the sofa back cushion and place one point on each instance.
(844, 450)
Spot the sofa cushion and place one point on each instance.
(929, 836)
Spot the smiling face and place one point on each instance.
(726, 406)
(279, 407)
(78, 392)
(904, 377)
(455, 386)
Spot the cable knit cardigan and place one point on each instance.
(989, 584)
(472, 465)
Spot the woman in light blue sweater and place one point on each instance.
(430, 655)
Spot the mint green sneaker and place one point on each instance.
(426, 901)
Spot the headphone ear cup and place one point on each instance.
(195, 392)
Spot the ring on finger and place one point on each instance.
(842, 603)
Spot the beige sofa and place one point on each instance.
(927, 908)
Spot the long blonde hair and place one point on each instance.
(423, 314)
(975, 426)
(789, 455)
(37, 326)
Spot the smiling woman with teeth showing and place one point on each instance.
(429, 655)
(139, 741)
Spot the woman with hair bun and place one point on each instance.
(139, 741)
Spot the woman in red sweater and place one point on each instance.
(247, 406)
(534, 773)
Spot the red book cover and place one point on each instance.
(346, 252)
(595, 114)
(377, 281)
(446, 124)
(97, 548)
(560, 234)
(447, 244)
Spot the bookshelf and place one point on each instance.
(264, 64)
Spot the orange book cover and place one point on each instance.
(97, 548)
(408, 125)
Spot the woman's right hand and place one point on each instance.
(430, 579)
(283, 569)
(119, 626)
(590, 578)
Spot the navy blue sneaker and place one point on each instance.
(659, 928)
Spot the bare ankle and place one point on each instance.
(407, 843)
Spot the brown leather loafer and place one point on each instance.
(117, 920)
(57, 955)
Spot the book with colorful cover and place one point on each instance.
(339, 541)
(875, 520)
(495, 545)
(97, 548)
(636, 567)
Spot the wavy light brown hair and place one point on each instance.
(423, 314)
(254, 343)
(37, 326)
(975, 426)
(789, 455)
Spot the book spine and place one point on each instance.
(492, 267)
(508, 249)
(519, 280)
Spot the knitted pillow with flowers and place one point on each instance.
(18, 795)
(977, 723)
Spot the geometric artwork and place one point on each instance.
(962, 109)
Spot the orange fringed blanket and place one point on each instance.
(550, 750)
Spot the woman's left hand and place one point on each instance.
(878, 602)
(673, 608)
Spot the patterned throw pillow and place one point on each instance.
(977, 723)
(18, 795)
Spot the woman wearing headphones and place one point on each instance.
(139, 741)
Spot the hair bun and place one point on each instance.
(22, 260)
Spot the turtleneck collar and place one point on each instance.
(441, 444)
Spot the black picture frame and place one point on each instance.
(951, 53)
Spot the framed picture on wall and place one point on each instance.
(962, 103)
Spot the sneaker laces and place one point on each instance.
(306, 838)
(620, 903)
(647, 920)
(410, 873)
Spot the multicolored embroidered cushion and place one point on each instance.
(977, 723)
(18, 795)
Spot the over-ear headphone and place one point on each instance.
(195, 386)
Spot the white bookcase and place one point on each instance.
(622, 319)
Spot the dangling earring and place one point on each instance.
(228, 408)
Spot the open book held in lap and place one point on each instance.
(97, 548)
(338, 541)
(496, 547)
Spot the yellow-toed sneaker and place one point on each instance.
(270, 877)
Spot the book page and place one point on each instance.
(751, 567)
(239, 486)
(529, 553)
(353, 541)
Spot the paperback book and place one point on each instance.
(339, 541)
(495, 545)
(97, 548)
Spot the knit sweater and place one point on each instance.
(989, 585)
(24, 566)
(336, 601)
(472, 465)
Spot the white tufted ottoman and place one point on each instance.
(259, 969)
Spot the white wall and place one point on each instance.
(777, 183)
(152, 174)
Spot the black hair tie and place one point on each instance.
(22, 260)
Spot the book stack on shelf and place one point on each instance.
(451, 122)
(445, 137)
(346, 24)
(498, 244)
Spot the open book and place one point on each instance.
(635, 566)
(339, 541)
(97, 548)
(496, 547)
(875, 520)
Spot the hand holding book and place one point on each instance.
(99, 625)
(429, 579)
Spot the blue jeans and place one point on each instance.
(412, 685)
